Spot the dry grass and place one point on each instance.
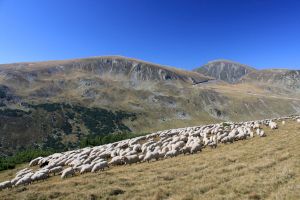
(260, 168)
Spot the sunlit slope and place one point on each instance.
(258, 168)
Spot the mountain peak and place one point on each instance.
(226, 70)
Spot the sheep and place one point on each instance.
(100, 166)
(273, 125)
(251, 134)
(228, 139)
(86, 168)
(141, 157)
(137, 148)
(205, 141)
(260, 133)
(256, 125)
(172, 153)
(89, 160)
(151, 155)
(221, 136)
(15, 180)
(241, 136)
(283, 122)
(22, 172)
(5, 184)
(113, 154)
(68, 172)
(160, 155)
(131, 159)
(39, 176)
(25, 179)
(44, 170)
(178, 145)
(298, 120)
(105, 155)
(56, 170)
(195, 148)
(214, 142)
(165, 149)
(185, 150)
(130, 153)
(35, 161)
(118, 160)
(75, 162)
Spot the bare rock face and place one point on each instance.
(225, 70)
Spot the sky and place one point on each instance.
(179, 33)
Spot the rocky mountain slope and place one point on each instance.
(289, 79)
(225, 70)
(58, 103)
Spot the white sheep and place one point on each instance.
(5, 184)
(172, 153)
(25, 179)
(86, 168)
(67, 172)
(100, 166)
(195, 148)
(35, 161)
(137, 148)
(15, 180)
(260, 133)
(214, 142)
(141, 157)
(151, 155)
(185, 150)
(131, 159)
(118, 160)
(39, 176)
(22, 172)
(55, 170)
(273, 125)
(178, 145)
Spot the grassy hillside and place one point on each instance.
(258, 168)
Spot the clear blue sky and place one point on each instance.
(185, 33)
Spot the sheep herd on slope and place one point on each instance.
(155, 146)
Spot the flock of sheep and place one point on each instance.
(155, 146)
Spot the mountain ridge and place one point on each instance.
(108, 64)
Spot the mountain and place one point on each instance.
(132, 69)
(58, 104)
(289, 79)
(225, 70)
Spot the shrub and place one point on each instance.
(21, 157)
(95, 140)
